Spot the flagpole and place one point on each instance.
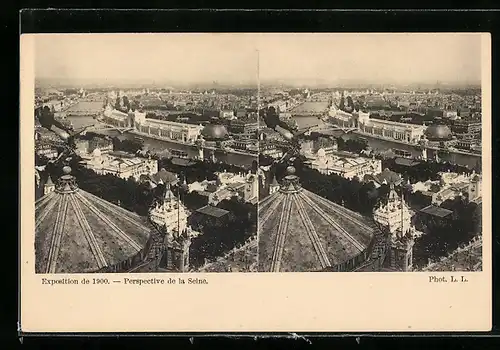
(178, 210)
(402, 213)
(258, 84)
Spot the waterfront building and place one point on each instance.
(302, 241)
(120, 164)
(245, 144)
(239, 126)
(270, 149)
(115, 117)
(90, 234)
(346, 166)
(174, 131)
(409, 133)
(465, 129)
(467, 144)
(137, 120)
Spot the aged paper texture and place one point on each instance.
(194, 182)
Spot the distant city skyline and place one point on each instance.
(231, 59)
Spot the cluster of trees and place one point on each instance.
(127, 145)
(128, 194)
(351, 145)
(122, 104)
(202, 170)
(353, 194)
(218, 240)
(423, 171)
(347, 104)
(444, 236)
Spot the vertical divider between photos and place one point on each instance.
(258, 157)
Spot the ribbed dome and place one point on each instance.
(214, 132)
(77, 232)
(300, 231)
(438, 132)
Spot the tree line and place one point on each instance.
(218, 240)
(442, 237)
(423, 171)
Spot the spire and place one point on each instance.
(274, 182)
(49, 181)
(178, 212)
(402, 215)
(168, 194)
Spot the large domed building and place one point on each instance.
(438, 132)
(77, 232)
(214, 132)
(299, 231)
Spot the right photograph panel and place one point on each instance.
(370, 152)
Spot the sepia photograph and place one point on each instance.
(145, 162)
(372, 157)
(217, 170)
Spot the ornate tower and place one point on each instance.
(184, 244)
(402, 239)
(49, 186)
(474, 188)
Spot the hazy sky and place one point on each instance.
(232, 58)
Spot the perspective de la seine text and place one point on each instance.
(125, 281)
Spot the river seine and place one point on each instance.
(159, 146)
(246, 160)
(376, 144)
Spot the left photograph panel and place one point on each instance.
(145, 153)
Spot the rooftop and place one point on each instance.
(77, 232)
(164, 176)
(210, 210)
(241, 260)
(182, 162)
(436, 211)
(406, 162)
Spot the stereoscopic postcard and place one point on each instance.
(333, 182)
